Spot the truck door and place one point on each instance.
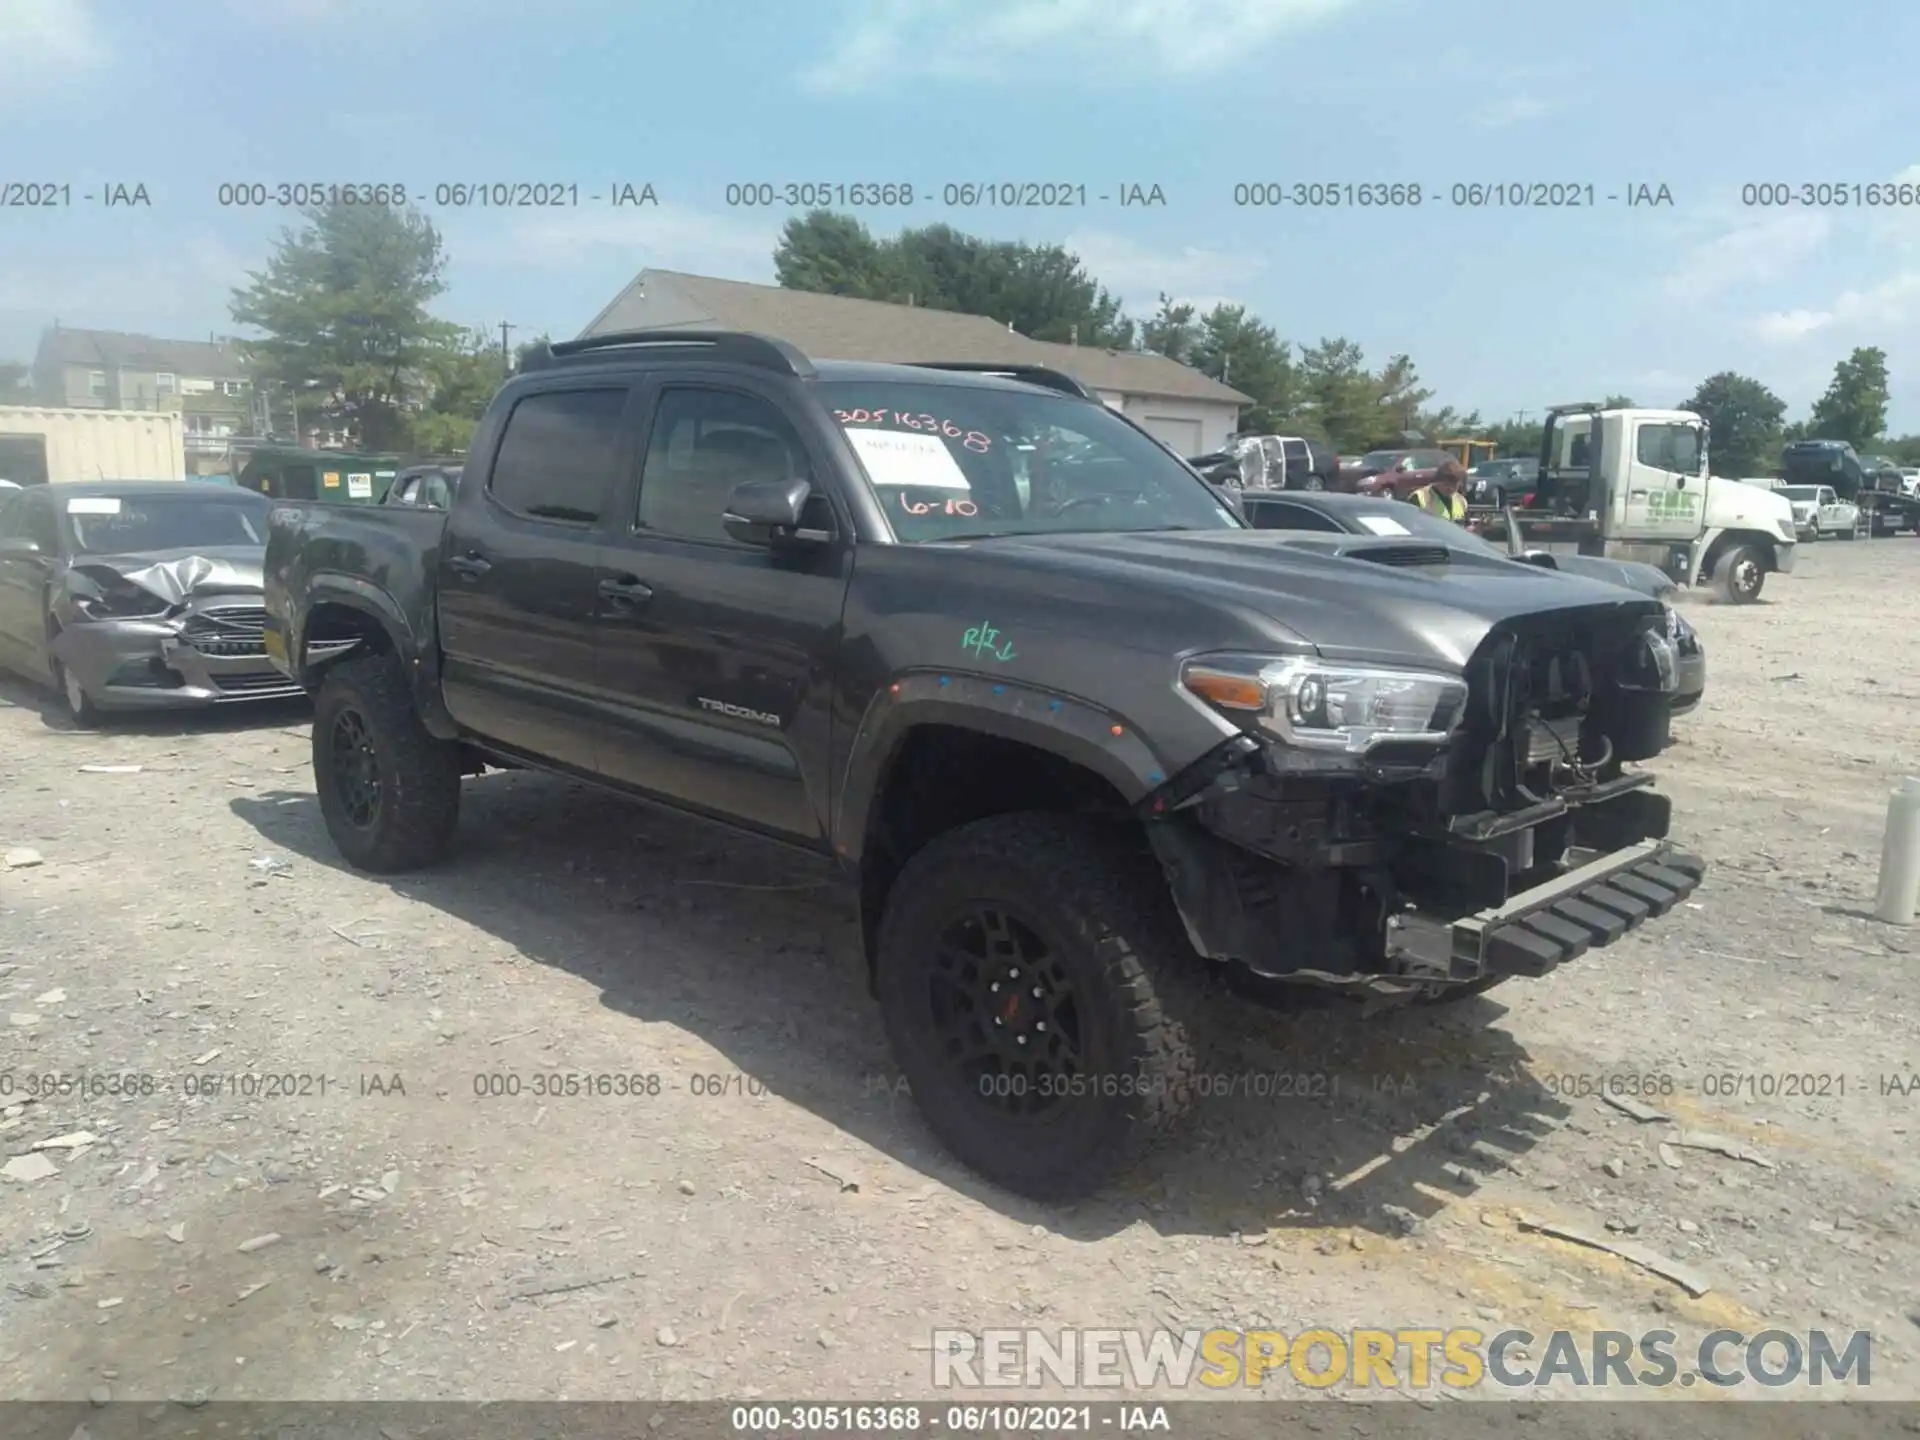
(1665, 479)
(516, 587)
(717, 657)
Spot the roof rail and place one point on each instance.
(1029, 374)
(761, 351)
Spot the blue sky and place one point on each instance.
(1504, 310)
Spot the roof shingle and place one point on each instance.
(117, 350)
(837, 327)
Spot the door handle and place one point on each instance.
(628, 588)
(470, 566)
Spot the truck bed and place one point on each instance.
(385, 556)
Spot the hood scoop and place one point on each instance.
(1404, 556)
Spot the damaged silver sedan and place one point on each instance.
(136, 595)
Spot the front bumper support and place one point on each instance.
(1539, 929)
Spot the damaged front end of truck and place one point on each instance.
(1413, 832)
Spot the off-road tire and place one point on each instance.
(1100, 904)
(1729, 573)
(418, 775)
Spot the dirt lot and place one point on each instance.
(768, 1217)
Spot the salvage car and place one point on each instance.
(1397, 472)
(1818, 512)
(428, 486)
(136, 595)
(1083, 749)
(1374, 516)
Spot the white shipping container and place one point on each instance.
(74, 444)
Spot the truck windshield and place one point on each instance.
(960, 462)
(117, 525)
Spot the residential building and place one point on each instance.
(204, 381)
(1191, 412)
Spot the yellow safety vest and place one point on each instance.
(1448, 507)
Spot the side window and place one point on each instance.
(557, 455)
(1294, 449)
(402, 493)
(1668, 447)
(704, 443)
(435, 492)
(1278, 515)
(30, 517)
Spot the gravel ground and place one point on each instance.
(762, 1213)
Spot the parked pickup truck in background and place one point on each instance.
(1085, 745)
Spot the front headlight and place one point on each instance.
(1324, 705)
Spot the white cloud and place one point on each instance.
(891, 40)
(1515, 109)
(43, 43)
(1750, 252)
(666, 237)
(1138, 274)
(181, 294)
(1863, 314)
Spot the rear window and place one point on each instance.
(556, 458)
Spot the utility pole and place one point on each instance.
(506, 355)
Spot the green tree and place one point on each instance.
(456, 382)
(1618, 402)
(1174, 331)
(1905, 450)
(342, 304)
(836, 255)
(1339, 394)
(1042, 291)
(1743, 420)
(1238, 350)
(1854, 409)
(529, 347)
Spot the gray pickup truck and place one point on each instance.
(1083, 743)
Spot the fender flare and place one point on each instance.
(1052, 721)
(421, 661)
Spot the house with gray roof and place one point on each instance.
(1190, 411)
(205, 381)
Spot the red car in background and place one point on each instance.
(1397, 472)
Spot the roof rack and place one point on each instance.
(762, 351)
(1575, 409)
(1029, 374)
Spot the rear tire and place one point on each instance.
(1740, 575)
(389, 791)
(1075, 914)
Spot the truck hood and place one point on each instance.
(176, 575)
(1347, 597)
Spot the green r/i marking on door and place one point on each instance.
(984, 639)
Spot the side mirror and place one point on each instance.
(765, 512)
(19, 548)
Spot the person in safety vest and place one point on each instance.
(1442, 495)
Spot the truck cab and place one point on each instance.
(1634, 484)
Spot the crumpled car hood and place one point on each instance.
(177, 575)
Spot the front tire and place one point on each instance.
(1741, 575)
(389, 791)
(1051, 1077)
(73, 695)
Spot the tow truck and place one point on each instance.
(1633, 484)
